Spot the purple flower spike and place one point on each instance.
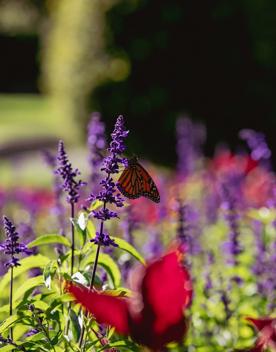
(96, 144)
(190, 138)
(109, 193)
(104, 239)
(257, 143)
(11, 246)
(68, 174)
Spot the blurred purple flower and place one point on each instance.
(109, 193)
(190, 138)
(260, 267)
(64, 168)
(96, 143)
(232, 247)
(257, 143)
(58, 208)
(31, 332)
(208, 285)
(154, 247)
(11, 246)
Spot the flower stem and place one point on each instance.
(72, 259)
(72, 237)
(11, 298)
(91, 284)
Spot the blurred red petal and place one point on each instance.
(166, 291)
(106, 309)
(260, 323)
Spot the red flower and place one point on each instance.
(153, 316)
(267, 334)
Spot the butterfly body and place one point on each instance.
(135, 182)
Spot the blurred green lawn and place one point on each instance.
(27, 116)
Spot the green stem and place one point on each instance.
(91, 285)
(72, 260)
(72, 238)
(11, 298)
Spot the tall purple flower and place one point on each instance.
(109, 193)
(257, 143)
(96, 143)
(190, 138)
(260, 267)
(232, 246)
(58, 209)
(70, 185)
(11, 245)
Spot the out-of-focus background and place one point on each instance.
(149, 60)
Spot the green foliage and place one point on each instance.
(49, 239)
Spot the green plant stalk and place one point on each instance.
(72, 238)
(72, 259)
(11, 298)
(92, 278)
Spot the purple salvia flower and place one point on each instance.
(154, 247)
(11, 246)
(58, 208)
(208, 285)
(232, 247)
(109, 193)
(257, 143)
(31, 332)
(70, 185)
(260, 267)
(190, 138)
(96, 143)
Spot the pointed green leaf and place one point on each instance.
(124, 245)
(8, 323)
(33, 261)
(75, 327)
(49, 272)
(48, 239)
(111, 268)
(27, 285)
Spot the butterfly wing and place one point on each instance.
(135, 182)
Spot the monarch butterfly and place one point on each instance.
(135, 182)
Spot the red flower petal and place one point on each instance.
(166, 291)
(260, 323)
(106, 309)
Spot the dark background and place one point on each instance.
(212, 60)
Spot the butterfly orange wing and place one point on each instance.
(135, 182)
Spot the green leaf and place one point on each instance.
(48, 239)
(49, 273)
(33, 261)
(91, 229)
(111, 268)
(124, 245)
(75, 327)
(9, 322)
(27, 285)
(95, 204)
(108, 264)
(7, 348)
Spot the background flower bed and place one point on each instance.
(220, 209)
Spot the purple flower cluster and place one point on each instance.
(232, 247)
(11, 246)
(109, 193)
(96, 144)
(58, 209)
(68, 174)
(190, 138)
(257, 143)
